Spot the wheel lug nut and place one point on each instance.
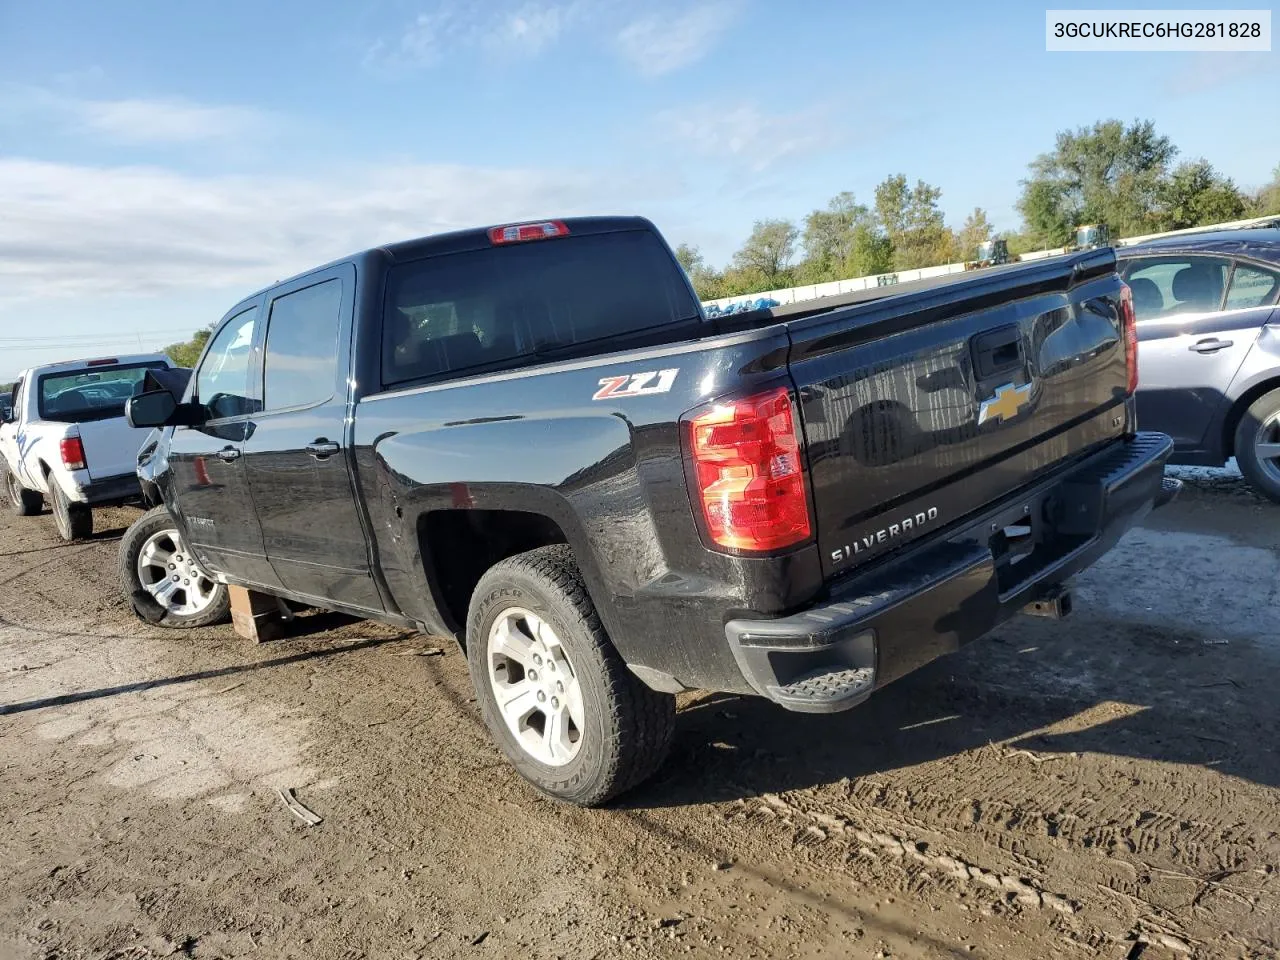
(537, 659)
(173, 566)
(541, 696)
(551, 665)
(533, 674)
(555, 703)
(176, 578)
(559, 687)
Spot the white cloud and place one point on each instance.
(167, 121)
(425, 40)
(72, 230)
(655, 44)
(658, 44)
(532, 27)
(130, 121)
(747, 135)
(452, 26)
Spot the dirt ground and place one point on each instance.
(1104, 787)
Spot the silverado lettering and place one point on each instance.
(894, 530)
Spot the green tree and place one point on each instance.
(1267, 200)
(1195, 195)
(707, 283)
(765, 257)
(977, 229)
(1108, 173)
(186, 354)
(1049, 222)
(871, 253)
(913, 222)
(843, 241)
(893, 196)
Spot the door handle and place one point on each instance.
(1212, 345)
(323, 449)
(228, 454)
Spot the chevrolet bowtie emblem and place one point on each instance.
(1005, 404)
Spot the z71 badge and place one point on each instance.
(636, 384)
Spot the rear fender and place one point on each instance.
(1259, 373)
(475, 466)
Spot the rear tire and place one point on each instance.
(74, 520)
(535, 606)
(1259, 430)
(155, 531)
(23, 502)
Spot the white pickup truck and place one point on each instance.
(67, 440)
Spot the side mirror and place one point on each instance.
(6, 415)
(151, 409)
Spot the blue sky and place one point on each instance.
(158, 160)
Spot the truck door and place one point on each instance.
(9, 434)
(297, 460)
(1192, 339)
(209, 488)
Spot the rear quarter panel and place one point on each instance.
(1259, 373)
(609, 472)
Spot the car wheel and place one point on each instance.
(1257, 445)
(555, 695)
(162, 579)
(74, 520)
(23, 502)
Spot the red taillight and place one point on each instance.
(1129, 321)
(520, 232)
(746, 472)
(72, 453)
(106, 362)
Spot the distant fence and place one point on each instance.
(832, 288)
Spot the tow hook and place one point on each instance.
(1056, 605)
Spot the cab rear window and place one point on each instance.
(80, 396)
(512, 304)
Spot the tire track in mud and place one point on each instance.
(1099, 870)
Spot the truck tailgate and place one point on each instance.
(111, 446)
(918, 409)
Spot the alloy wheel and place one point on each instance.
(171, 575)
(534, 686)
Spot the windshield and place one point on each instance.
(491, 308)
(80, 396)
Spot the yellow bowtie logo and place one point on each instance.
(1005, 404)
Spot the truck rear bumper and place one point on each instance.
(109, 490)
(936, 597)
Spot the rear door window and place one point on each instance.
(503, 306)
(1251, 287)
(1169, 286)
(299, 364)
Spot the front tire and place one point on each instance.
(74, 520)
(1257, 445)
(23, 502)
(553, 691)
(163, 581)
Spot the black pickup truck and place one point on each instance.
(532, 439)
